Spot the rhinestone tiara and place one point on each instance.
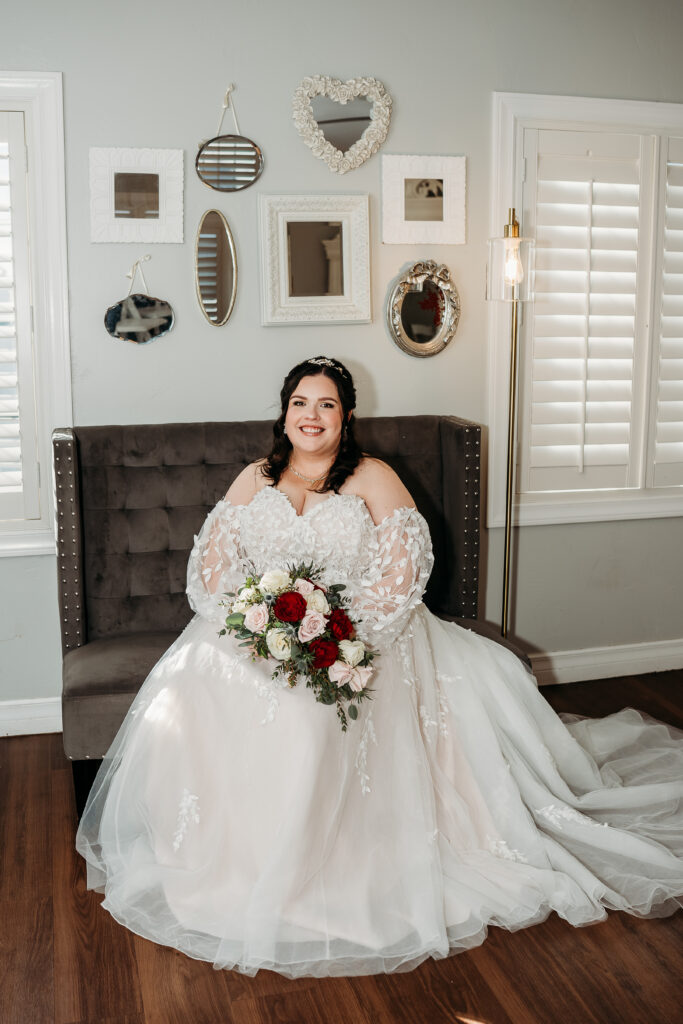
(324, 361)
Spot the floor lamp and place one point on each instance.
(509, 279)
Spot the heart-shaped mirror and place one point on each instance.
(343, 123)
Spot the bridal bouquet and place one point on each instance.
(289, 616)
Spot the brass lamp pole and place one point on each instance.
(509, 280)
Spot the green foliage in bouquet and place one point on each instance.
(289, 617)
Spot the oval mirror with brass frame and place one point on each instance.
(215, 268)
(229, 163)
(423, 309)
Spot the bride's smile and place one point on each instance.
(314, 422)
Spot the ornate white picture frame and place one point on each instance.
(423, 200)
(321, 239)
(162, 169)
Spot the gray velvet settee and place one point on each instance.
(130, 500)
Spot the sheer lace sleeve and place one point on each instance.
(215, 565)
(401, 563)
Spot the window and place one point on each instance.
(600, 417)
(35, 394)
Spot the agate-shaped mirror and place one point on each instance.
(215, 268)
(139, 318)
(424, 309)
(229, 163)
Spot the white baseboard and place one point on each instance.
(28, 717)
(605, 662)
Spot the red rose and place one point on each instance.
(290, 607)
(324, 653)
(340, 624)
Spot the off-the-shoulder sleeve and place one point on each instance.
(216, 565)
(402, 561)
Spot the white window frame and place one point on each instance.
(512, 114)
(39, 96)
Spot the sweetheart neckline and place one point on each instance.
(346, 494)
(308, 512)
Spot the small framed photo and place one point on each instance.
(315, 259)
(423, 199)
(136, 195)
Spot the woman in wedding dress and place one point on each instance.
(233, 819)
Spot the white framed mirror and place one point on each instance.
(315, 259)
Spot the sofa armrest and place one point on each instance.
(491, 633)
(69, 539)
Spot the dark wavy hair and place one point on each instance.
(349, 453)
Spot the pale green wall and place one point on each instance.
(153, 74)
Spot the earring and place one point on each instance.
(284, 431)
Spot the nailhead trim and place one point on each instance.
(68, 548)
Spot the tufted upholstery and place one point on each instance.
(130, 500)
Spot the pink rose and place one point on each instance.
(256, 617)
(339, 673)
(312, 625)
(303, 587)
(357, 678)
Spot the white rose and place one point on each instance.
(273, 581)
(317, 602)
(352, 651)
(256, 617)
(278, 644)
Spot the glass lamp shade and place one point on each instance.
(510, 272)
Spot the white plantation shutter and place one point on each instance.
(19, 482)
(583, 350)
(668, 401)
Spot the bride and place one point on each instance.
(233, 819)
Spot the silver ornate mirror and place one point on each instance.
(423, 309)
(215, 268)
(229, 163)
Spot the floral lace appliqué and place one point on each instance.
(500, 848)
(188, 812)
(362, 754)
(556, 815)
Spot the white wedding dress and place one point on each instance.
(233, 820)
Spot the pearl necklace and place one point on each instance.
(308, 479)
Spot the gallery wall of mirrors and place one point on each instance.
(315, 250)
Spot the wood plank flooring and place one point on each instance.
(65, 961)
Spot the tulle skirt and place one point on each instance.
(233, 820)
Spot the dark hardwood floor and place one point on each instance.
(64, 960)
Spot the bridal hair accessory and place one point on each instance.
(288, 616)
(324, 361)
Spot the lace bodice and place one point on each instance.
(385, 567)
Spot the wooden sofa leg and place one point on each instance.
(84, 773)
